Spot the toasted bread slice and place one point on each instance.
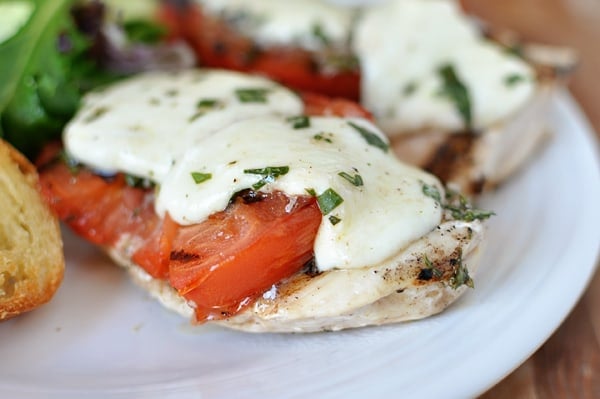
(31, 255)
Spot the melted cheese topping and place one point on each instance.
(145, 123)
(383, 207)
(402, 44)
(311, 24)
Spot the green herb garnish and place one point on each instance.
(317, 31)
(409, 89)
(432, 192)
(371, 138)
(454, 89)
(355, 180)
(334, 220)
(258, 95)
(95, 114)
(204, 106)
(464, 212)
(328, 201)
(311, 192)
(208, 103)
(457, 204)
(299, 122)
(200, 177)
(460, 275)
(513, 79)
(269, 174)
(321, 137)
(437, 273)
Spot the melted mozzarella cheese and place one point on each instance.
(402, 44)
(310, 24)
(123, 128)
(375, 219)
(142, 125)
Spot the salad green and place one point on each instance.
(56, 51)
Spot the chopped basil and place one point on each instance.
(205, 105)
(172, 92)
(321, 137)
(334, 220)
(371, 138)
(208, 103)
(513, 79)
(328, 201)
(457, 204)
(200, 177)
(299, 122)
(461, 273)
(317, 31)
(95, 114)
(436, 272)
(355, 180)
(460, 208)
(269, 174)
(432, 192)
(468, 214)
(409, 88)
(311, 192)
(454, 89)
(257, 95)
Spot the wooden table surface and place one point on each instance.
(568, 364)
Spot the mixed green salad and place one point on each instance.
(53, 52)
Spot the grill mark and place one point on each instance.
(452, 156)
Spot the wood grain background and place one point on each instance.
(568, 364)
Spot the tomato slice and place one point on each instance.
(224, 263)
(317, 104)
(218, 45)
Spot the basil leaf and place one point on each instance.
(355, 180)
(371, 138)
(299, 122)
(334, 220)
(432, 192)
(258, 95)
(328, 201)
(269, 173)
(513, 79)
(454, 89)
(200, 177)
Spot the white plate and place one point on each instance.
(102, 336)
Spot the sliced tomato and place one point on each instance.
(317, 104)
(218, 45)
(101, 210)
(224, 263)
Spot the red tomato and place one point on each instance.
(219, 46)
(224, 263)
(316, 104)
